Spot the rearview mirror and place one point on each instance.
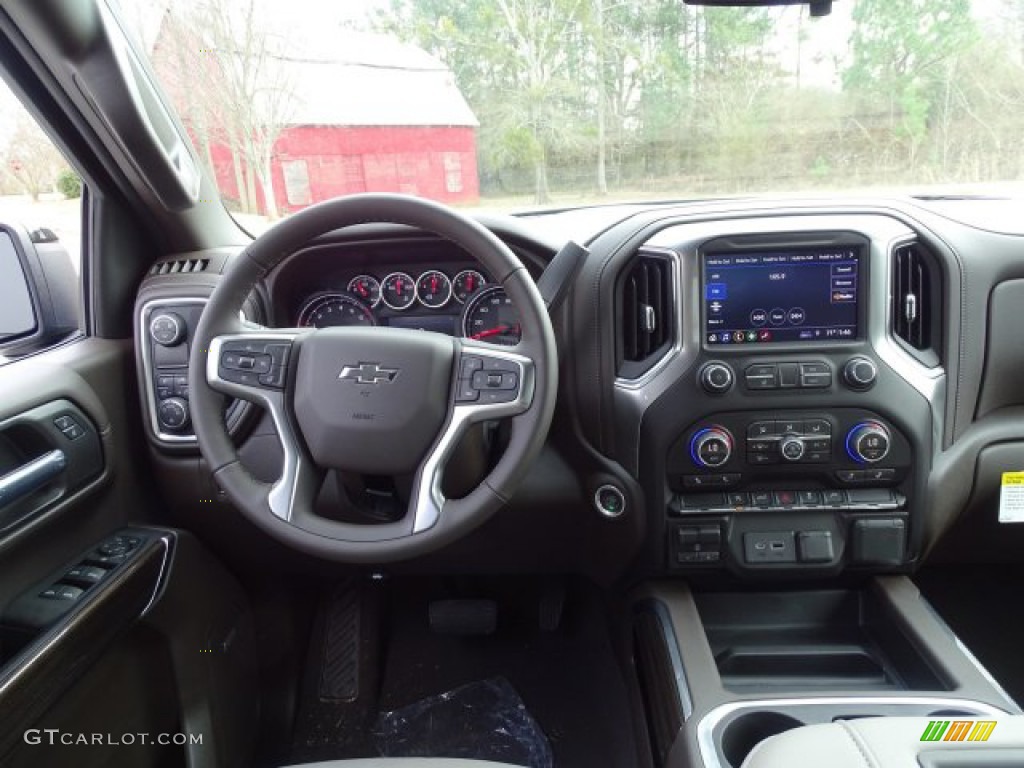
(39, 296)
(818, 7)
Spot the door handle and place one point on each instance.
(30, 477)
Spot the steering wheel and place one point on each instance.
(375, 401)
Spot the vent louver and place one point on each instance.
(915, 300)
(645, 306)
(179, 266)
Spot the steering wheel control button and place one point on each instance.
(487, 380)
(860, 373)
(484, 380)
(760, 377)
(711, 447)
(255, 363)
(467, 392)
(610, 501)
(235, 361)
(716, 378)
(173, 413)
(868, 442)
(167, 329)
(469, 366)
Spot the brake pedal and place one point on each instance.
(463, 617)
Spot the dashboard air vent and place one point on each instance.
(916, 301)
(645, 314)
(181, 266)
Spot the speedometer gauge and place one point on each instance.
(335, 309)
(490, 316)
(398, 290)
(366, 288)
(434, 289)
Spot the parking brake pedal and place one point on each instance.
(464, 617)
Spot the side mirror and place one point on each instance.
(39, 291)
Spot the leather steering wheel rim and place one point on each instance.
(535, 356)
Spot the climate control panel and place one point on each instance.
(835, 449)
(818, 490)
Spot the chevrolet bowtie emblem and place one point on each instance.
(368, 373)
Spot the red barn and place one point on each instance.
(381, 116)
(366, 113)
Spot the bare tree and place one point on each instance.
(32, 159)
(230, 80)
(255, 93)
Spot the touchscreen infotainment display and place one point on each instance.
(781, 296)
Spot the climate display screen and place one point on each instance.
(779, 296)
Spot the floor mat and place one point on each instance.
(568, 679)
(481, 721)
(978, 602)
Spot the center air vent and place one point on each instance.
(916, 301)
(181, 266)
(645, 314)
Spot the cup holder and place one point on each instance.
(748, 730)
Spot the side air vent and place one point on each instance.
(916, 301)
(179, 266)
(645, 315)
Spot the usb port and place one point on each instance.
(777, 545)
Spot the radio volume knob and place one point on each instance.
(716, 378)
(868, 442)
(711, 447)
(860, 373)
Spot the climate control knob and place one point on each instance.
(792, 448)
(868, 442)
(173, 413)
(711, 447)
(716, 378)
(860, 373)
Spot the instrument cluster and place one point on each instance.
(462, 303)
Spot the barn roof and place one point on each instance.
(347, 78)
(366, 79)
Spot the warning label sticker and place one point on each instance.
(1011, 498)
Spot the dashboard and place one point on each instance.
(749, 389)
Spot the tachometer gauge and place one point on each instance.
(466, 283)
(434, 289)
(333, 309)
(398, 290)
(490, 316)
(366, 288)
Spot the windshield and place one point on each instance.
(512, 104)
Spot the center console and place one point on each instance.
(719, 671)
(788, 431)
